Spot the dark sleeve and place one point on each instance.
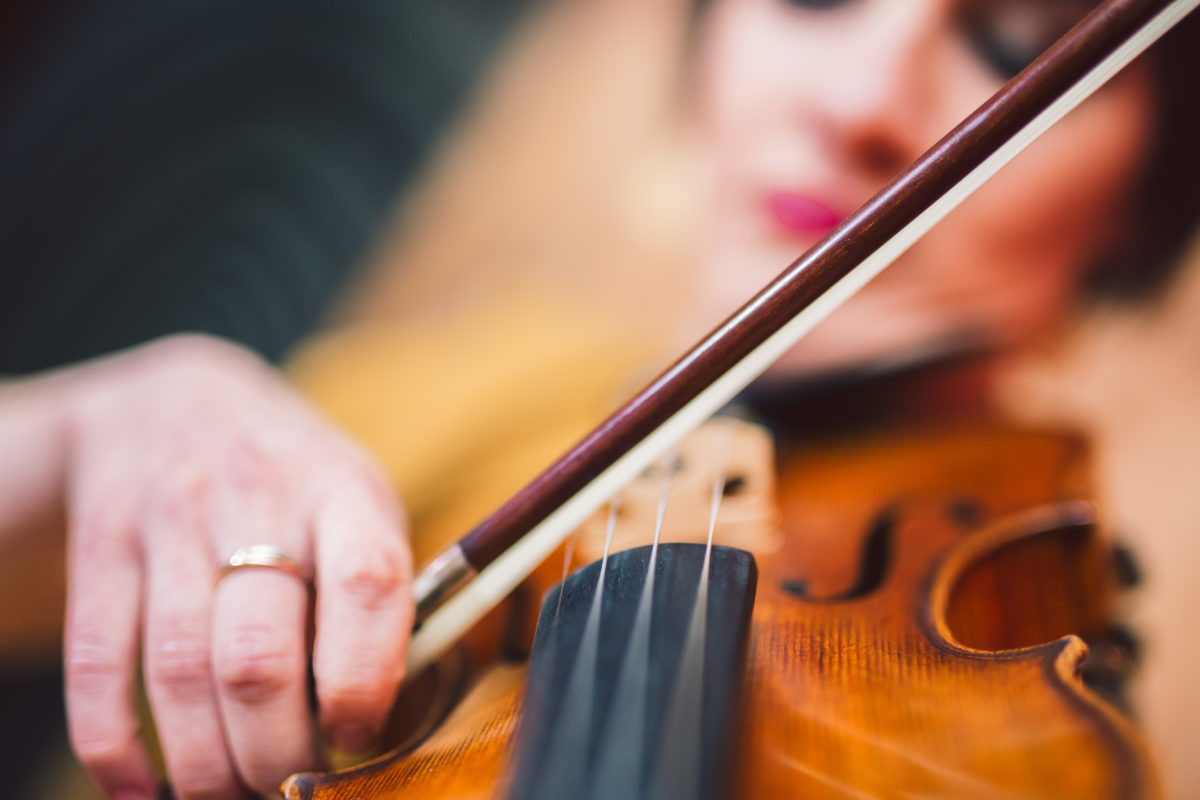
(210, 165)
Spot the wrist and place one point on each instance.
(33, 450)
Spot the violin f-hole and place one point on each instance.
(873, 565)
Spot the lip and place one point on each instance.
(802, 214)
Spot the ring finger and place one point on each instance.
(259, 622)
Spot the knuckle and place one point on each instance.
(202, 351)
(92, 665)
(373, 582)
(171, 367)
(255, 665)
(365, 472)
(180, 667)
(194, 369)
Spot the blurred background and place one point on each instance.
(220, 167)
(262, 170)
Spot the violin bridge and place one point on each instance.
(744, 456)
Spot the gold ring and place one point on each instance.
(261, 556)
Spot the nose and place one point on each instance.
(877, 103)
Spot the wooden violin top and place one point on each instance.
(909, 636)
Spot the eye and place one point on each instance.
(1008, 35)
(818, 5)
(1003, 55)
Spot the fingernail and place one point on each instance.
(353, 738)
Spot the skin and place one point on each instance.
(163, 464)
(832, 99)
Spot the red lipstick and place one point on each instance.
(801, 214)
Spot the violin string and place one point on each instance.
(677, 772)
(718, 491)
(567, 753)
(569, 556)
(569, 553)
(614, 506)
(625, 730)
(668, 471)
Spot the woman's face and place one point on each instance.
(808, 107)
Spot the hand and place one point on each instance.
(176, 455)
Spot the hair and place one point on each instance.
(1166, 200)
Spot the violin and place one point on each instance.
(813, 692)
(926, 640)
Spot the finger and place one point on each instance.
(364, 614)
(259, 620)
(179, 675)
(100, 653)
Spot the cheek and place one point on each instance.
(741, 89)
(1051, 212)
(718, 101)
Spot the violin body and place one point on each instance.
(875, 691)
(916, 632)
